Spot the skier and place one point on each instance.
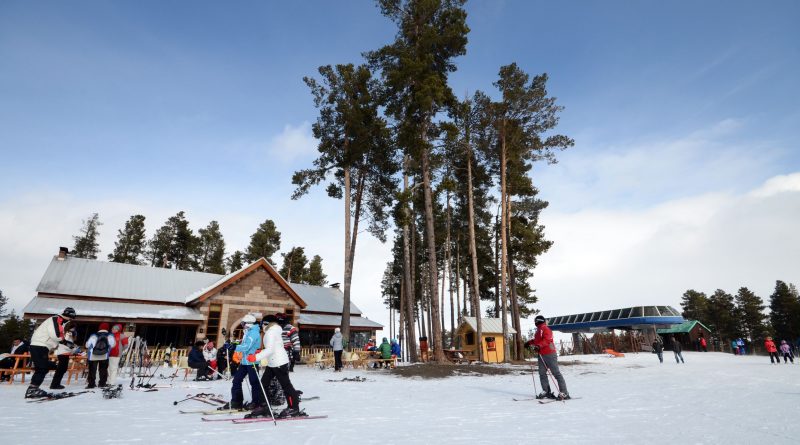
(769, 345)
(98, 347)
(248, 347)
(677, 349)
(46, 338)
(291, 340)
(787, 352)
(658, 349)
(542, 343)
(337, 343)
(65, 348)
(277, 367)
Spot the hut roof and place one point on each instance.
(488, 325)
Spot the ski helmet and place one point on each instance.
(248, 319)
(539, 319)
(68, 313)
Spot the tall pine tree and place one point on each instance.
(294, 267)
(235, 261)
(174, 244)
(86, 245)
(750, 308)
(210, 251)
(784, 312)
(315, 275)
(264, 242)
(723, 316)
(131, 242)
(695, 306)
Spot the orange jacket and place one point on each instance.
(770, 346)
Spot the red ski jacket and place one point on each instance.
(770, 346)
(544, 339)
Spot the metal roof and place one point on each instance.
(683, 328)
(79, 276)
(335, 321)
(323, 299)
(627, 318)
(111, 309)
(488, 325)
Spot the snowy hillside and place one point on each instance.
(713, 398)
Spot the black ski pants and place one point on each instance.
(42, 364)
(93, 367)
(337, 360)
(774, 357)
(61, 369)
(237, 396)
(282, 374)
(787, 356)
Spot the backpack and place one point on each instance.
(100, 346)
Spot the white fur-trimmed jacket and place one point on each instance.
(273, 350)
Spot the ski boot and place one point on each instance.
(563, 396)
(231, 406)
(291, 412)
(33, 392)
(546, 395)
(261, 411)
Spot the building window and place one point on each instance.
(470, 338)
(212, 328)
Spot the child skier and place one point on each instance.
(248, 347)
(787, 352)
(277, 367)
(769, 345)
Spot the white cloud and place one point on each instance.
(293, 142)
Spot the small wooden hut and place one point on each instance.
(492, 342)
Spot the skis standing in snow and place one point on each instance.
(46, 338)
(548, 360)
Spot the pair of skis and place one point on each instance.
(57, 396)
(239, 420)
(544, 401)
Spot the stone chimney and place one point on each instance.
(335, 285)
(62, 253)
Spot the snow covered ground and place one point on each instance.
(713, 398)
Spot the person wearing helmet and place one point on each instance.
(542, 342)
(45, 339)
(278, 368)
(248, 347)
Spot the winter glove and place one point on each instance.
(296, 356)
(251, 358)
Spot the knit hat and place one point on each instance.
(103, 326)
(270, 319)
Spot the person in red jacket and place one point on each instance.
(769, 345)
(542, 342)
(115, 354)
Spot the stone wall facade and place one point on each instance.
(256, 292)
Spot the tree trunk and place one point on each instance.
(504, 242)
(347, 269)
(409, 284)
(449, 274)
(515, 313)
(497, 265)
(438, 353)
(473, 253)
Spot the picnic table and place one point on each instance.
(457, 355)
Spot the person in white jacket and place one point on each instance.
(65, 348)
(277, 367)
(46, 338)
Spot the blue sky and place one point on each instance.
(157, 107)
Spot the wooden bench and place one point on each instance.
(77, 367)
(385, 362)
(22, 365)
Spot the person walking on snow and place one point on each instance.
(786, 351)
(248, 347)
(769, 345)
(277, 367)
(45, 339)
(98, 347)
(542, 342)
(337, 343)
(677, 349)
(658, 349)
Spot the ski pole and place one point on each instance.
(266, 399)
(217, 373)
(533, 377)
(157, 367)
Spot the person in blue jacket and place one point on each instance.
(251, 341)
(395, 348)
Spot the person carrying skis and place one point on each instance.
(45, 339)
(542, 343)
(277, 367)
(786, 351)
(248, 347)
(658, 349)
(291, 339)
(98, 347)
(769, 345)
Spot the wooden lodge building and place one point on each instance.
(178, 307)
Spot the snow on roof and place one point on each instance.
(336, 320)
(682, 328)
(488, 325)
(323, 299)
(111, 309)
(79, 276)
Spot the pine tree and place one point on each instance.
(784, 312)
(751, 314)
(86, 245)
(210, 251)
(723, 316)
(3, 303)
(235, 261)
(264, 242)
(131, 242)
(174, 244)
(695, 306)
(415, 68)
(315, 275)
(295, 263)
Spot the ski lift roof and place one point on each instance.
(636, 317)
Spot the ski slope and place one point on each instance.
(713, 398)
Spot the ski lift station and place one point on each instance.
(646, 319)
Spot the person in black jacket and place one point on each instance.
(658, 349)
(677, 349)
(18, 346)
(198, 362)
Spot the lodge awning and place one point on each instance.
(333, 321)
(115, 310)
